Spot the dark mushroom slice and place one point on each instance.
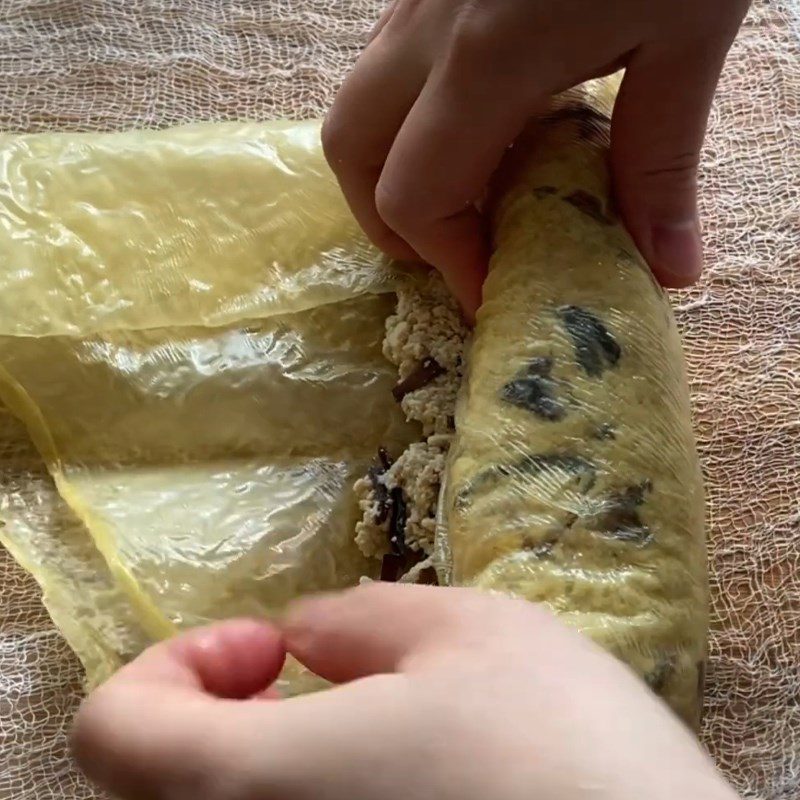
(375, 474)
(533, 389)
(397, 522)
(604, 432)
(619, 517)
(595, 348)
(391, 567)
(591, 205)
(659, 676)
(425, 373)
(573, 469)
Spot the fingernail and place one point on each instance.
(678, 253)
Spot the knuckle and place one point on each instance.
(407, 9)
(474, 36)
(679, 165)
(485, 43)
(399, 209)
(336, 140)
(487, 35)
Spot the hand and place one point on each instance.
(445, 693)
(445, 86)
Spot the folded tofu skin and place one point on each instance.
(191, 330)
(233, 400)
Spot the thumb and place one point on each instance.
(656, 136)
(150, 725)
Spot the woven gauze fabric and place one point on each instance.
(88, 65)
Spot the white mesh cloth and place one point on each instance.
(110, 64)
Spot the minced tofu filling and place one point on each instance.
(425, 340)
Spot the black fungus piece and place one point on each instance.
(543, 550)
(428, 577)
(590, 205)
(397, 522)
(384, 459)
(451, 422)
(390, 567)
(620, 518)
(595, 347)
(533, 389)
(375, 474)
(574, 469)
(542, 547)
(427, 371)
(659, 676)
(381, 494)
(534, 464)
(394, 566)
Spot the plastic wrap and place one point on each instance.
(206, 383)
(202, 371)
(573, 477)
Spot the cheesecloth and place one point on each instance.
(88, 65)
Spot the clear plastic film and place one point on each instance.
(573, 478)
(192, 334)
(205, 379)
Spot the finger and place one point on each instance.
(384, 18)
(440, 164)
(360, 128)
(234, 659)
(153, 731)
(150, 723)
(657, 134)
(387, 628)
(361, 632)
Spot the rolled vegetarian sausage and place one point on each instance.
(573, 478)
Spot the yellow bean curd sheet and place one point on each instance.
(191, 329)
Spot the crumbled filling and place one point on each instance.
(425, 340)
(417, 474)
(427, 325)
